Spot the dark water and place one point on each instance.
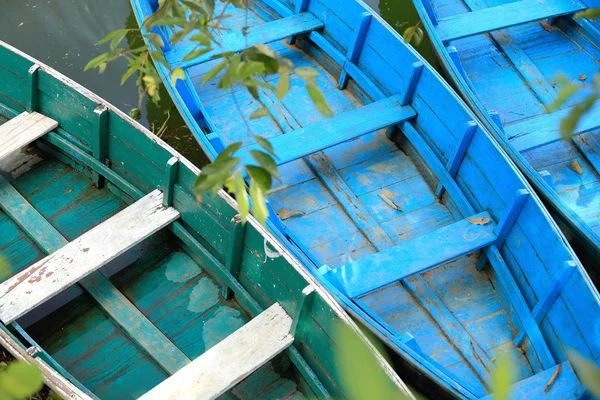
(63, 34)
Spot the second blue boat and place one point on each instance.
(402, 204)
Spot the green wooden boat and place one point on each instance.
(120, 285)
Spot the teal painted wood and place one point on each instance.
(503, 16)
(381, 269)
(113, 302)
(345, 220)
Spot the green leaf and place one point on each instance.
(319, 100)
(418, 37)
(117, 39)
(261, 176)
(95, 62)
(587, 370)
(112, 35)
(258, 202)
(283, 86)
(566, 92)
(265, 161)
(21, 380)
(250, 68)
(213, 72)
(241, 196)
(135, 114)
(177, 74)
(155, 39)
(229, 76)
(259, 113)
(502, 378)
(591, 13)
(306, 73)
(159, 57)
(265, 144)
(569, 123)
(196, 53)
(409, 34)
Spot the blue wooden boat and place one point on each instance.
(505, 59)
(402, 204)
(120, 285)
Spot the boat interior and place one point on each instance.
(400, 202)
(516, 68)
(127, 290)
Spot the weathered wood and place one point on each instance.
(170, 180)
(22, 130)
(355, 48)
(262, 34)
(543, 306)
(92, 250)
(230, 361)
(100, 142)
(141, 330)
(503, 16)
(341, 128)
(414, 256)
(457, 158)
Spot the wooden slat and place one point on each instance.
(131, 320)
(413, 256)
(545, 128)
(503, 16)
(92, 250)
(264, 33)
(541, 386)
(230, 361)
(341, 128)
(22, 130)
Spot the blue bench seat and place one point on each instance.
(413, 256)
(341, 128)
(238, 41)
(503, 16)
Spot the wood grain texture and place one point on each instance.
(22, 130)
(341, 128)
(230, 361)
(76, 260)
(503, 16)
(262, 34)
(414, 256)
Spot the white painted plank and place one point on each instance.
(22, 130)
(230, 361)
(92, 250)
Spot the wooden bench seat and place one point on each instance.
(414, 256)
(89, 252)
(260, 34)
(539, 386)
(231, 360)
(503, 16)
(22, 130)
(545, 128)
(341, 128)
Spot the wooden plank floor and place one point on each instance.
(165, 284)
(370, 165)
(505, 83)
